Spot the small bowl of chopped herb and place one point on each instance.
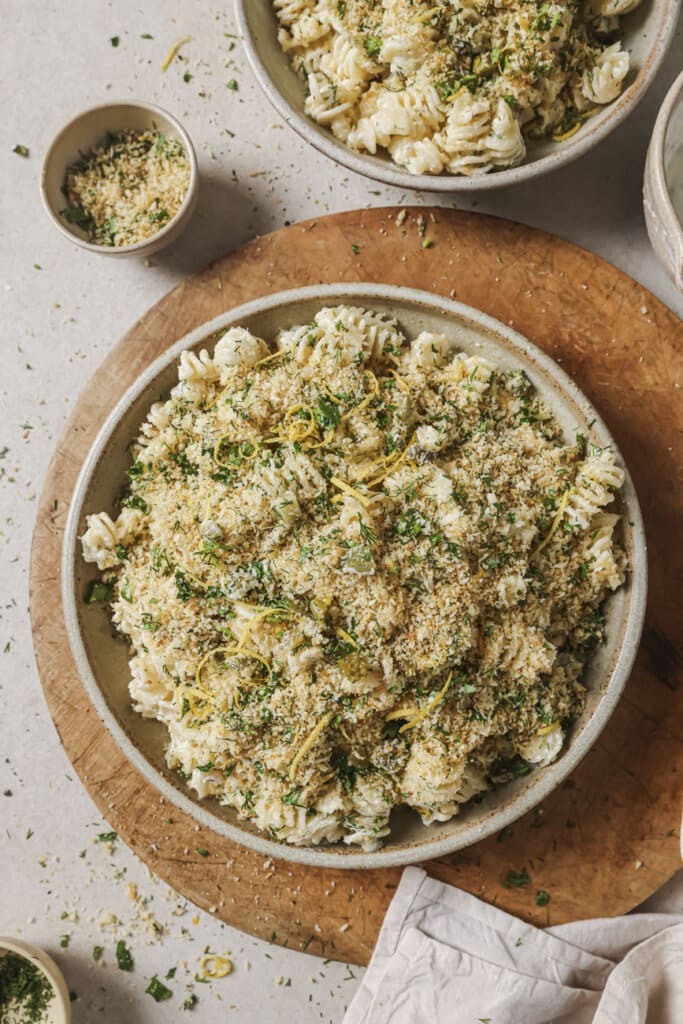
(121, 179)
(32, 988)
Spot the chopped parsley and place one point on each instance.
(124, 958)
(158, 991)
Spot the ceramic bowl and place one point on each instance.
(102, 660)
(87, 130)
(663, 184)
(646, 33)
(59, 1007)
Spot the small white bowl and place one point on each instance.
(663, 221)
(59, 1007)
(86, 131)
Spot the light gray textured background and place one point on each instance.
(62, 311)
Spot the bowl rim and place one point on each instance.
(551, 777)
(655, 166)
(389, 173)
(185, 207)
(44, 962)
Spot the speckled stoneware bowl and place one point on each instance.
(103, 660)
(87, 130)
(59, 1008)
(646, 33)
(663, 184)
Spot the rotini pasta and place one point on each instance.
(458, 86)
(356, 571)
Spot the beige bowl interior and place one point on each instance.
(90, 129)
(646, 33)
(673, 156)
(103, 660)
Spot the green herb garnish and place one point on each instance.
(516, 880)
(158, 991)
(123, 956)
(327, 414)
(97, 591)
(25, 992)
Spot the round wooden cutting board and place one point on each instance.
(609, 837)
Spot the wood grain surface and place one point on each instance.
(608, 837)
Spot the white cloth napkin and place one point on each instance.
(445, 957)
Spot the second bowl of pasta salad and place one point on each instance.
(455, 96)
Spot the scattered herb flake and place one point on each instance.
(123, 956)
(158, 991)
(516, 880)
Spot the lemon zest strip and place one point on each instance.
(406, 713)
(268, 359)
(351, 491)
(321, 444)
(231, 649)
(568, 134)
(390, 468)
(556, 522)
(400, 381)
(428, 707)
(173, 51)
(213, 966)
(347, 638)
(261, 615)
(547, 729)
(310, 742)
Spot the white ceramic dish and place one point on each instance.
(103, 661)
(59, 1008)
(646, 33)
(87, 130)
(663, 184)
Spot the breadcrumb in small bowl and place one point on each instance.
(121, 179)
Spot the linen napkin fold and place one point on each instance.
(445, 957)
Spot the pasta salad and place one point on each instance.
(458, 86)
(356, 571)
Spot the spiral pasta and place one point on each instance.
(458, 86)
(356, 570)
